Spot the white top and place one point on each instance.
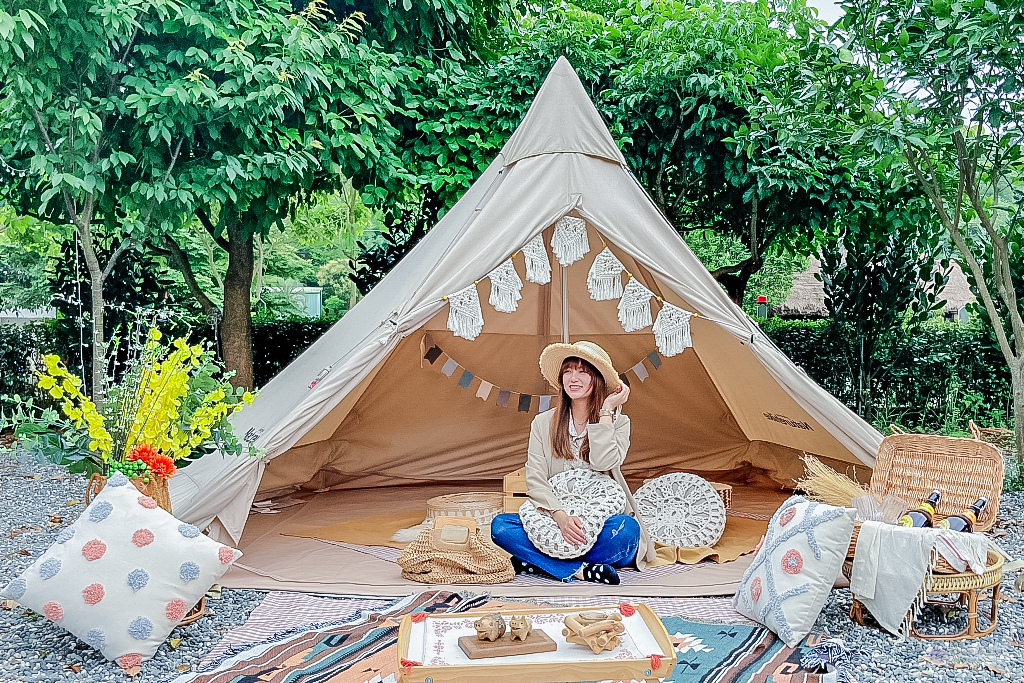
(576, 443)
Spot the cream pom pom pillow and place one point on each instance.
(589, 495)
(122, 576)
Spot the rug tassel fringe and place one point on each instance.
(505, 288)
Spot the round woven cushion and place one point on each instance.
(681, 509)
(589, 495)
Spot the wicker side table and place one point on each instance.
(970, 588)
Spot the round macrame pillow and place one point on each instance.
(589, 495)
(681, 509)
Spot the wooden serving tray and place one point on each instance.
(429, 651)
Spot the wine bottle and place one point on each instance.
(966, 520)
(921, 516)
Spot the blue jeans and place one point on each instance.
(616, 545)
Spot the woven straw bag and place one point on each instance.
(432, 559)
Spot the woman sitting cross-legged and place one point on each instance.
(585, 430)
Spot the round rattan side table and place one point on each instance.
(970, 588)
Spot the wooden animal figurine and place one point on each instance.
(489, 627)
(520, 627)
(596, 630)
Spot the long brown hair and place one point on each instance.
(560, 444)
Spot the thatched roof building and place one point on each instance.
(807, 297)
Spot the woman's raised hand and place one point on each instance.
(617, 397)
(571, 527)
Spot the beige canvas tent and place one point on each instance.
(361, 409)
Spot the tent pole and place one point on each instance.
(565, 308)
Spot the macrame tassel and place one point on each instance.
(672, 330)
(538, 265)
(569, 243)
(604, 281)
(635, 306)
(505, 286)
(465, 318)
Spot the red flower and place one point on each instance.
(159, 464)
(143, 452)
(162, 466)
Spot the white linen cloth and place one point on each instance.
(892, 564)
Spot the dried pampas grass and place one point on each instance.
(825, 485)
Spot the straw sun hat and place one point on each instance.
(552, 356)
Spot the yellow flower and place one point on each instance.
(247, 397)
(57, 392)
(155, 334)
(51, 362)
(45, 382)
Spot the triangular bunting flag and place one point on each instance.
(635, 306)
(538, 265)
(672, 330)
(465, 319)
(505, 286)
(569, 243)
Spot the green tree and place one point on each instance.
(68, 73)
(692, 81)
(951, 102)
(880, 276)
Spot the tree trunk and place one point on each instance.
(99, 354)
(1017, 381)
(236, 324)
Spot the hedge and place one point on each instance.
(934, 380)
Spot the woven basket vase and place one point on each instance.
(155, 488)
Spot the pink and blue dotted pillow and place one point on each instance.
(122, 576)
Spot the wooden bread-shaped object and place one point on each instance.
(596, 630)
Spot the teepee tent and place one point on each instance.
(391, 395)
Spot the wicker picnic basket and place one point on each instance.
(911, 466)
(478, 506)
(155, 488)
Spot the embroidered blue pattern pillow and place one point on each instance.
(792, 574)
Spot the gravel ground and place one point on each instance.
(33, 648)
(36, 503)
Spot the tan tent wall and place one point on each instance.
(407, 424)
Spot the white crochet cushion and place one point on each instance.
(681, 509)
(792, 574)
(123, 575)
(589, 495)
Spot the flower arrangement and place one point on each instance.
(169, 408)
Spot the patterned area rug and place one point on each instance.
(627, 577)
(360, 646)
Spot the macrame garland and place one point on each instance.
(465, 318)
(569, 243)
(538, 266)
(604, 281)
(672, 330)
(635, 306)
(505, 286)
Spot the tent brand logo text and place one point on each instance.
(782, 419)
